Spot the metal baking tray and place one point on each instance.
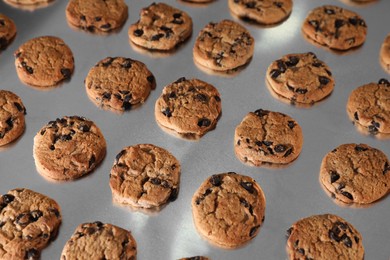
(292, 192)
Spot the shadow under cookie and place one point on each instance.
(228, 73)
(92, 30)
(256, 24)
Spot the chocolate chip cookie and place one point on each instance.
(301, 78)
(96, 15)
(356, 173)
(100, 241)
(44, 61)
(119, 83)
(161, 27)
(188, 107)
(28, 222)
(335, 27)
(12, 113)
(228, 209)
(324, 237)
(369, 107)
(384, 54)
(145, 176)
(267, 137)
(68, 148)
(261, 11)
(7, 31)
(223, 46)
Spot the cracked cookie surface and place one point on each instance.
(100, 241)
(228, 209)
(12, 122)
(324, 237)
(356, 173)
(335, 27)
(223, 46)
(28, 222)
(161, 27)
(119, 83)
(368, 106)
(7, 31)
(261, 11)
(267, 137)
(188, 107)
(301, 78)
(44, 61)
(97, 15)
(384, 54)
(68, 148)
(145, 176)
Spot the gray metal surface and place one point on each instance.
(292, 192)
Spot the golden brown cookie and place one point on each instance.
(261, 11)
(28, 222)
(223, 46)
(356, 173)
(335, 27)
(68, 148)
(161, 27)
(12, 113)
(267, 137)
(228, 209)
(145, 176)
(119, 83)
(384, 54)
(7, 31)
(44, 61)
(324, 237)
(96, 15)
(100, 241)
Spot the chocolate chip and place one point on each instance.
(293, 61)
(253, 231)
(10, 122)
(3, 43)
(176, 15)
(281, 66)
(98, 18)
(353, 20)
(82, 17)
(90, 230)
(216, 180)
(217, 98)
(67, 137)
(267, 143)
(301, 251)
(91, 161)
(106, 95)
(204, 122)
(387, 168)
(323, 80)
(177, 21)
(278, 4)
(167, 112)
(356, 239)
(248, 186)
(315, 24)
(2, 22)
(168, 31)
(288, 232)
(360, 148)
(289, 151)
(384, 81)
(84, 128)
(250, 5)
(275, 73)
(338, 23)
(244, 203)
(334, 176)
(202, 98)
(126, 105)
(23, 219)
(138, 32)
(119, 155)
(55, 211)
(291, 124)
(290, 88)
(347, 194)
(35, 215)
(301, 90)
(356, 116)
(127, 63)
(347, 241)
(261, 112)
(280, 148)
(27, 68)
(155, 181)
(66, 73)
(108, 62)
(173, 195)
(90, 28)
(332, 235)
(372, 129)
(105, 26)
(32, 254)
(151, 79)
(180, 80)
(19, 107)
(329, 11)
(312, 54)
(52, 147)
(8, 198)
(219, 57)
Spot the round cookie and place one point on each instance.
(12, 113)
(7, 31)
(28, 2)
(301, 78)
(223, 46)
(68, 148)
(261, 11)
(228, 209)
(356, 173)
(145, 176)
(160, 27)
(119, 83)
(188, 107)
(335, 27)
(368, 106)
(100, 241)
(324, 237)
(384, 54)
(28, 222)
(44, 61)
(96, 15)
(267, 137)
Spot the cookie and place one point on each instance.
(145, 176)
(7, 31)
(188, 107)
(96, 15)
(195, 258)
(368, 106)
(28, 222)
(335, 27)
(267, 137)
(12, 113)
(119, 83)
(28, 2)
(223, 46)
(68, 148)
(301, 78)
(100, 241)
(356, 173)
(324, 237)
(44, 61)
(384, 54)
(265, 12)
(160, 27)
(228, 209)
